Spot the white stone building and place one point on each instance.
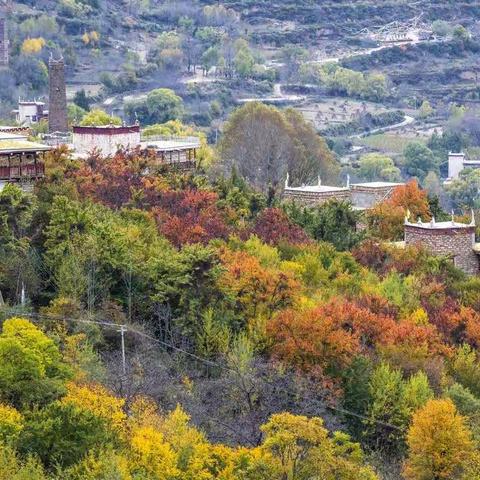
(457, 162)
(29, 113)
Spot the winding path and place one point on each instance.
(408, 121)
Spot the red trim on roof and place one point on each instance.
(108, 130)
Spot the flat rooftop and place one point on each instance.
(316, 189)
(17, 146)
(439, 225)
(172, 144)
(32, 102)
(377, 184)
(12, 136)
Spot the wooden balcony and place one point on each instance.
(16, 173)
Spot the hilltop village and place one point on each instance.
(239, 240)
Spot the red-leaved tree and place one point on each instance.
(273, 226)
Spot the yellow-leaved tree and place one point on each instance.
(439, 443)
(302, 448)
(31, 46)
(32, 371)
(151, 456)
(99, 401)
(11, 424)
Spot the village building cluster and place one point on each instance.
(452, 239)
(360, 195)
(22, 161)
(180, 152)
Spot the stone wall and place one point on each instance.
(368, 197)
(105, 139)
(454, 242)
(316, 198)
(57, 111)
(4, 43)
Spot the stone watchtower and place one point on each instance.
(452, 239)
(57, 111)
(4, 43)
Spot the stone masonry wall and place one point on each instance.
(316, 198)
(4, 45)
(454, 242)
(85, 140)
(57, 112)
(365, 197)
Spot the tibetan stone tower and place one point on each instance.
(4, 44)
(57, 111)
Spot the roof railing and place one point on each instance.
(170, 138)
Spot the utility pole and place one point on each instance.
(122, 331)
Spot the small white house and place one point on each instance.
(457, 162)
(29, 113)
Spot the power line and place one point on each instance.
(67, 319)
(181, 350)
(125, 329)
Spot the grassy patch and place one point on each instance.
(389, 142)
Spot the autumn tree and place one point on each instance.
(387, 218)
(100, 402)
(11, 425)
(102, 463)
(263, 144)
(151, 455)
(326, 338)
(31, 367)
(97, 117)
(114, 181)
(273, 227)
(303, 449)
(190, 216)
(439, 443)
(258, 289)
(32, 46)
(290, 438)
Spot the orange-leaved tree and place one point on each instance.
(327, 337)
(386, 219)
(257, 289)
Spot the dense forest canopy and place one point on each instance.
(200, 323)
(233, 312)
